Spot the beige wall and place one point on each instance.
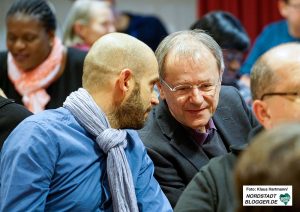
(176, 14)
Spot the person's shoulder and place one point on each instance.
(135, 150)
(229, 92)
(157, 128)
(3, 55)
(133, 139)
(3, 60)
(152, 19)
(51, 118)
(224, 161)
(76, 54)
(275, 24)
(144, 19)
(221, 164)
(15, 111)
(275, 27)
(11, 114)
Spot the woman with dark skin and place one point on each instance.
(37, 70)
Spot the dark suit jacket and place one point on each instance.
(177, 158)
(211, 191)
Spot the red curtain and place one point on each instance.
(254, 14)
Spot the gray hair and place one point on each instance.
(80, 11)
(182, 41)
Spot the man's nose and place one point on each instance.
(19, 44)
(196, 95)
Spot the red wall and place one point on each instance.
(254, 14)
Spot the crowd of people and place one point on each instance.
(114, 117)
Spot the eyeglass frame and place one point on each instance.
(280, 94)
(191, 86)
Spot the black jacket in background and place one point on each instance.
(11, 114)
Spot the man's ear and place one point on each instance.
(125, 80)
(123, 84)
(261, 111)
(282, 7)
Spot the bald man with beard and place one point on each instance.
(78, 157)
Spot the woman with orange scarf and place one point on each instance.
(37, 71)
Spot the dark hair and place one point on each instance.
(37, 8)
(226, 29)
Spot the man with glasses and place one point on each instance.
(197, 118)
(275, 87)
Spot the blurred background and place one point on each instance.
(177, 14)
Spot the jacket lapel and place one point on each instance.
(227, 127)
(179, 138)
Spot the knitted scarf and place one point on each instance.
(32, 84)
(112, 141)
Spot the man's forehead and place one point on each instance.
(192, 60)
(288, 76)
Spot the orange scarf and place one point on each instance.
(32, 84)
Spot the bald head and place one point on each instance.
(273, 66)
(113, 53)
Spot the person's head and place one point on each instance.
(87, 21)
(120, 72)
(31, 26)
(290, 9)
(275, 84)
(273, 158)
(190, 68)
(229, 33)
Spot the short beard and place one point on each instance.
(130, 114)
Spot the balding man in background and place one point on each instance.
(74, 158)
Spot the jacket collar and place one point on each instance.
(183, 143)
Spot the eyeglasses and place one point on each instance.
(207, 88)
(294, 94)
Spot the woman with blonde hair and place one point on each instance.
(87, 21)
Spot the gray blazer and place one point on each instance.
(177, 158)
